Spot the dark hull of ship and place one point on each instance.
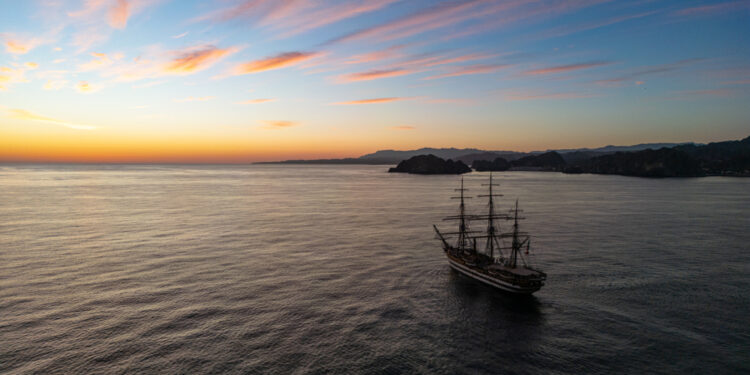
(496, 282)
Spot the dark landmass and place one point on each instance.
(664, 162)
(639, 147)
(507, 155)
(430, 164)
(333, 161)
(497, 165)
(730, 158)
(469, 155)
(548, 161)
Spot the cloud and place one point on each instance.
(55, 85)
(292, 17)
(196, 59)
(194, 99)
(119, 13)
(567, 30)
(737, 82)
(86, 88)
(438, 16)
(100, 60)
(21, 114)
(513, 96)
(705, 10)
(379, 55)
(708, 92)
(96, 19)
(402, 127)
(11, 76)
(19, 46)
(566, 68)
(180, 35)
(471, 69)
(373, 74)
(257, 101)
(275, 62)
(371, 101)
(636, 75)
(278, 124)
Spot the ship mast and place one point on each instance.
(491, 231)
(462, 227)
(516, 242)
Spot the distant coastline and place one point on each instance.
(728, 158)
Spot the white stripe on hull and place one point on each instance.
(487, 280)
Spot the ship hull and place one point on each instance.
(491, 281)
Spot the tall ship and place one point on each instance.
(503, 263)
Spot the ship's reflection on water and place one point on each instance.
(501, 323)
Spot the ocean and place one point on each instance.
(291, 269)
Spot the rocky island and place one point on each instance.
(430, 164)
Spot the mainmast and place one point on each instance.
(517, 243)
(464, 241)
(491, 230)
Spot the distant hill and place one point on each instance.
(394, 156)
(430, 164)
(548, 161)
(612, 149)
(730, 158)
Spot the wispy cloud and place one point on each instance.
(178, 36)
(373, 74)
(705, 10)
(686, 94)
(21, 114)
(568, 29)
(10, 76)
(566, 68)
(119, 14)
(19, 45)
(292, 17)
(275, 62)
(194, 99)
(278, 124)
(638, 74)
(95, 20)
(513, 96)
(435, 17)
(256, 101)
(54, 85)
(86, 88)
(370, 101)
(468, 70)
(196, 59)
(402, 127)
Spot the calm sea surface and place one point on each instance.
(335, 269)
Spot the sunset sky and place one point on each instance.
(241, 81)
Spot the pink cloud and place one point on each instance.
(279, 124)
(275, 62)
(291, 17)
(119, 13)
(373, 74)
(469, 70)
(715, 8)
(195, 59)
(371, 101)
(513, 96)
(256, 101)
(565, 68)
